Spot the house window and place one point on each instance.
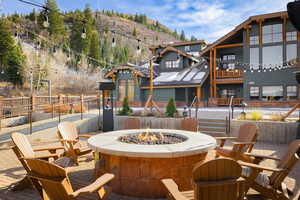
(272, 33)
(187, 48)
(291, 52)
(291, 92)
(272, 56)
(254, 40)
(254, 93)
(291, 36)
(228, 57)
(254, 58)
(172, 64)
(227, 93)
(272, 93)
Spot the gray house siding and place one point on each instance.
(121, 76)
(159, 94)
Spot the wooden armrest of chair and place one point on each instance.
(262, 156)
(172, 188)
(84, 136)
(95, 186)
(261, 168)
(225, 138)
(47, 156)
(243, 143)
(68, 141)
(48, 148)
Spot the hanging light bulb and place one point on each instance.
(83, 34)
(54, 49)
(264, 70)
(2, 72)
(138, 48)
(252, 71)
(245, 71)
(258, 71)
(113, 42)
(46, 22)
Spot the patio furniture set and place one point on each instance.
(156, 169)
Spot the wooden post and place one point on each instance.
(211, 72)
(260, 32)
(284, 29)
(81, 106)
(1, 111)
(33, 102)
(298, 39)
(215, 68)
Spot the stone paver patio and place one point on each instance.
(11, 171)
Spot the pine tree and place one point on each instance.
(134, 32)
(94, 48)
(182, 36)
(171, 108)
(126, 110)
(56, 23)
(12, 59)
(193, 38)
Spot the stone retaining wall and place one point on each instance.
(273, 132)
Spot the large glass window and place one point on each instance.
(172, 64)
(291, 36)
(272, 93)
(272, 56)
(227, 93)
(254, 93)
(291, 52)
(187, 48)
(291, 92)
(254, 58)
(254, 40)
(272, 33)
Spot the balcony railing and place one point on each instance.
(226, 101)
(237, 73)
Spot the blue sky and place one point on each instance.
(206, 19)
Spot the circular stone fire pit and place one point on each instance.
(141, 158)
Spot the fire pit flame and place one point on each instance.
(151, 138)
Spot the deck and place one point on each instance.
(11, 171)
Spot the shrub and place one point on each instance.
(171, 108)
(126, 110)
(276, 117)
(256, 115)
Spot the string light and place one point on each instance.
(83, 34)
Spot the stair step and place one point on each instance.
(204, 124)
(212, 129)
(214, 134)
(213, 120)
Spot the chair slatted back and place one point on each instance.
(218, 179)
(67, 131)
(132, 123)
(189, 124)
(53, 178)
(23, 145)
(288, 161)
(248, 132)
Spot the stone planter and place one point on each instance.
(273, 132)
(151, 122)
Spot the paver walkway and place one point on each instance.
(12, 171)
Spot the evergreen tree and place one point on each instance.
(182, 36)
(95, 48)
(171, 108)
(126, 110)
(56, 23)
(193, 38)
(12, 59)
(134, 32)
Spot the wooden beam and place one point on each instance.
(260, 31)
(230, 82)
(215, 69)
(229, 45)
(171, 86)
(211, 73)
(247, 36)
(284, 30)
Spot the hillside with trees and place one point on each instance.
(86, 41)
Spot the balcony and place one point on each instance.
(226, 101)
(223, 74)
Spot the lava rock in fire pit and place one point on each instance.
(149, 138)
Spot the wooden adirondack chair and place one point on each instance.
(218, 179)
(57, 186)
(132, 123)
(189, 124)
(23, 149)
(271, 186)
(69, 136)
(243, 143)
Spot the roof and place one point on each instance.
(175, 44)
(126, 66)
(170, 48)
(194, 75)
(244, 25)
